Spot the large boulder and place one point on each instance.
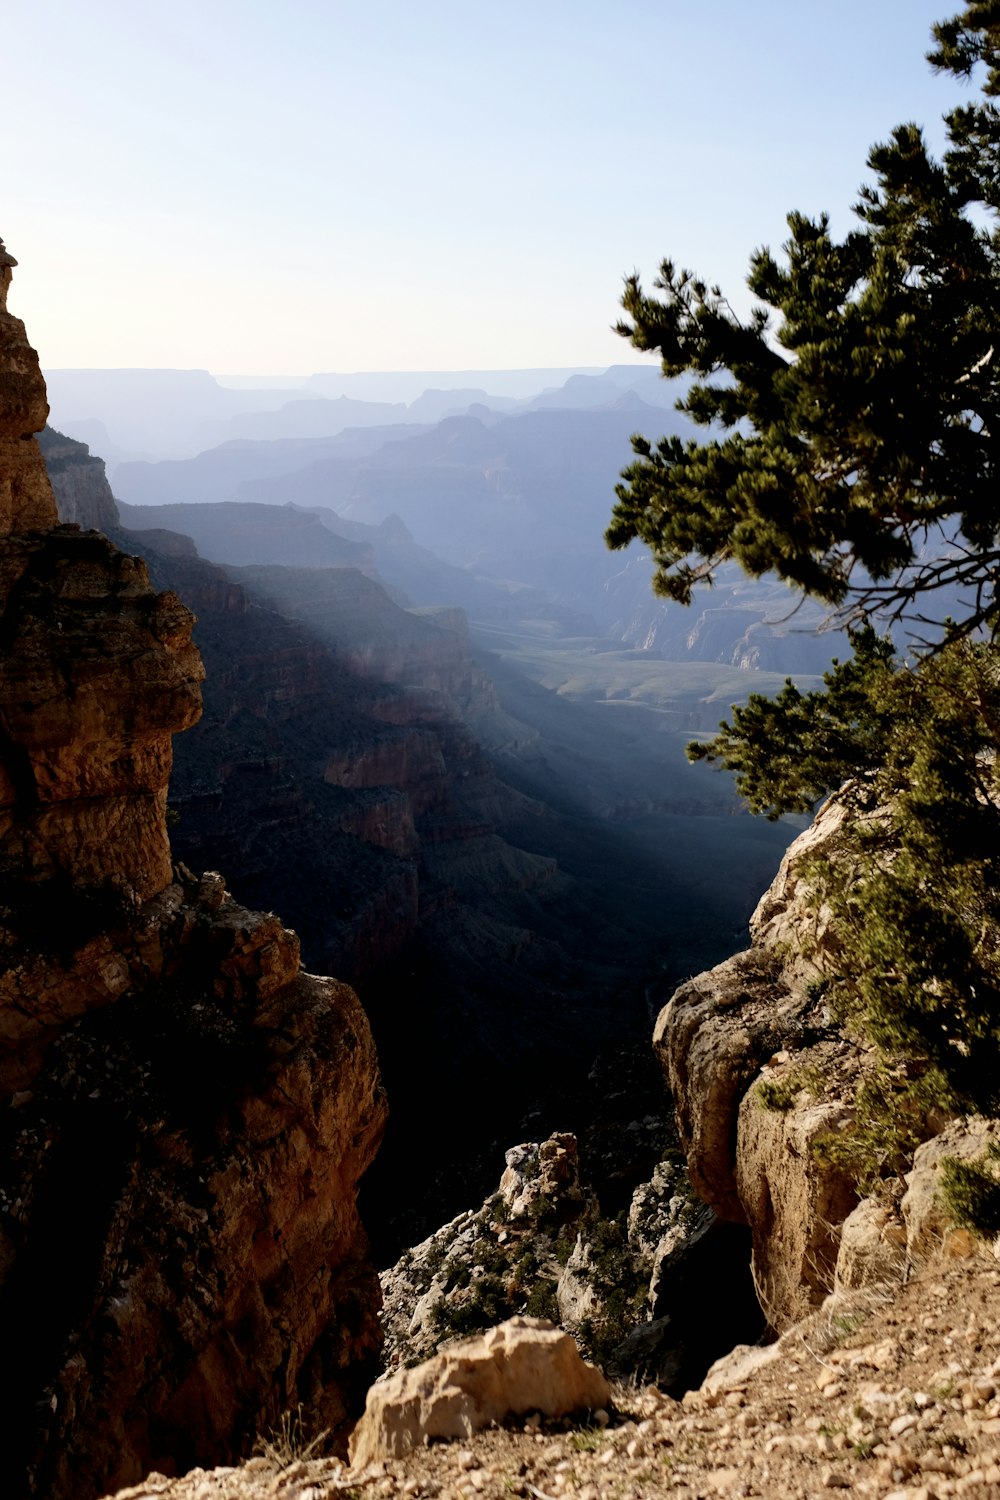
(523, 1365)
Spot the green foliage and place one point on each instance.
(854, 452)
(890, 1121)
(587, 1439)
(486, 1304)
(918, 902)
(542, 1301)
(858, 406)
(620, 1280)
(972, 1192)
(781, 1093)
(916, 890)
(787, 752)
(456, 1272)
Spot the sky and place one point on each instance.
(255, 188)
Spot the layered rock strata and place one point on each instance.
(96, 673)
(187, 1113)
(80, 483)
(198, 1131)
(26, 499)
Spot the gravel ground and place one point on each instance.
(893, 1396)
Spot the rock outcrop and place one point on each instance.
(200, 1128)
(760, 1076)
(187, 1112)
(892, 1396)
(524, 1365)
(766, 1088)
(80, 484)
(97, 672)
(26, 499)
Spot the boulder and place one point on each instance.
(931, 1229)
(872, 1246)
(523, 1365)
(796, 1197)
(539, 1175)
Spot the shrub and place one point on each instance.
(972, 1192)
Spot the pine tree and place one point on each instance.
(859, 404)
(855, 452)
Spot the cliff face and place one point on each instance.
(79, 482)
(182, 1257)
(763, 1080)
(188, 1113)
(97, 672)
(26, 499)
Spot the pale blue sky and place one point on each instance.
(256, 187)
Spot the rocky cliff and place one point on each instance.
(187, 1112)
(769, 1095)
(79, 482)
(338, 775)
(26, 499)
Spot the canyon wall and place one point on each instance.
(762, 1077)
(187, 1112)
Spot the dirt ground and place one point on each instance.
(894, 1396)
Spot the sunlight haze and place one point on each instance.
(330, 186)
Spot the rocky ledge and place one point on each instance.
(890, 1397)
(184, 1114)
(181, 1258)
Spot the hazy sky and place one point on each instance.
(247, 186)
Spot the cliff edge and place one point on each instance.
(187, 1113)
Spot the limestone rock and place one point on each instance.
(783, 922)
(661, 1209)
(795, 1199)
(931, 1230)
(712, 1039)
(759, 1017)
(97, 672)
(26, 499)
(733, 1370)
(548, 1172)
(575, 1292)
(523, 1365)
(872, 1246)
(79, 483)
(492, 1262)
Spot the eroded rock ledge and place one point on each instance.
(757, 1023)
(180, 1250)
(184, 1114)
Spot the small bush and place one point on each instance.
(287, 1443)
(972, 1192)
(542, 1301)
(890, 1121)
(782, 1092)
